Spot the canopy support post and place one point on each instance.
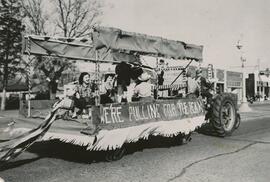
(97, 70)
(156, 84)
(29, 77)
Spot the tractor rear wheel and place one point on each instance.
(224, 118)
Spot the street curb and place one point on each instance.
(259, 103)
(257, 115)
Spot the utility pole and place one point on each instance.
(257, 76)
(244, 107)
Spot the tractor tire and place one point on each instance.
(224, 117)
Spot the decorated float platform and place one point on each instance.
(117, 123)
(123, 123)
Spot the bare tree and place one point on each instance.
(35, 16)
(68, 18)
(52, 69)
(76, 17)
(72, 18)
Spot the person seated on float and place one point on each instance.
(135, 72)
(123, 72)
(84, 94)
(161, 78)
(107, 90)
(143, 88)
(193, 88)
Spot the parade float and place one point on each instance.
(120, 123)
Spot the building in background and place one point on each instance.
(258, 85)
(234, 83)
(17, 87)
(220, 77)
(225, 80)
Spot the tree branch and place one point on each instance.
(62, 17)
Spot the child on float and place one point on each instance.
(143, 90)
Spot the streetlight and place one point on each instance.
(244, 105)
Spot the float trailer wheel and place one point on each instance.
(114, 155)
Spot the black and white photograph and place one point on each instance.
(134, 91)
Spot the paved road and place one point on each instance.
(241, 157)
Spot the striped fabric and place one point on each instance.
(12, 147)
(172, 68)
(172, 87)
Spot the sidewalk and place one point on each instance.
(265, 102)
(259, 110)
(247, 116)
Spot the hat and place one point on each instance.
(144, 77)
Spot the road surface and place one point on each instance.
(242, 157)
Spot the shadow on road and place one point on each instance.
(154, 142)
(75, 153)
(10, 165)
(65, 151)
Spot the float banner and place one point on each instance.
(113, 116)
(11, 146)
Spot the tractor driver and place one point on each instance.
(193, 88)
(204, 85)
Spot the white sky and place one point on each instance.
(215, 24)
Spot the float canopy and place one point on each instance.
(111, 45)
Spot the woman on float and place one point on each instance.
(107, 90)
(84, 94)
